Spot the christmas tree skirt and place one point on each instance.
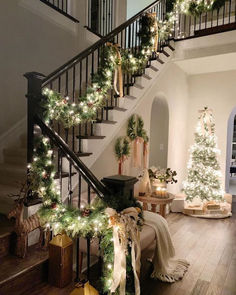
(211, 216)
(208, 210)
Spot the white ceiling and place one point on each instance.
(208, 64)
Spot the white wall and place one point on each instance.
(159, 131)
(172, 83)
(34, 37)
(134, 6)
(218, 92)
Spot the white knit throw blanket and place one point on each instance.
(167, 267)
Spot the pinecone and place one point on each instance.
(86, 212)
(54, 205)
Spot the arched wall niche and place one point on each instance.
(159, 132)
(230, 130)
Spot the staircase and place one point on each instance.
(75, 149)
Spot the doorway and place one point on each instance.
(230, 173)
(159, 132)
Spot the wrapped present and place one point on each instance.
(84, 288)
(213, 207)
(217, 211)
(193, 211)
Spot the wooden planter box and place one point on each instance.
(60, 261)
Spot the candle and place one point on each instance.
(158, 191)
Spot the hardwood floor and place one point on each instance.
(209, 246)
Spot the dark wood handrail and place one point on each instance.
(87, 174)
(58, 72)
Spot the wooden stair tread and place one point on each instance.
(83, 154)
(170, 46)
(138, 86)
(147, 77)
(115, 108)
(160, 60)
(90, 136)
(165, 53)
(98, 121)
(12, 267)
(63, 175)
(155, 69)
(130, 97)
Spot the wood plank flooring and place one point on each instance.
(209, 246)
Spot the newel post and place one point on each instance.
(33, 96)
(121, 185)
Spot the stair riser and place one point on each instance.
(26, 282)
(15, 160)
(4, 245)
(12, 178)
(23, 141)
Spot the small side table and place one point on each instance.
(156, 201)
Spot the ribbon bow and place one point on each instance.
(118, 76)
(206, 120)
(155, 29)
(125, 230)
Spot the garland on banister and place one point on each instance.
(114, 61)
(175, 8)
(98, 220)
(115, 220)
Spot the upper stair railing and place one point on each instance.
(63, 7)
(73, 78)
(211, 22)
(101, 16)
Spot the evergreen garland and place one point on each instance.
(175, 8)
(57, 107)
(135, 128)
(92, 221)
(122, 147)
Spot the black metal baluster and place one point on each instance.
(190, 21)
(112, 13)
(73, 99)
(78, 240)
(103, 18)
(60, 172)
(86, 70)
(88, 240)
(89, 14)
(212, 15)
(229, 11)
(234, 11)
(70, 185)
(224, 14)
(107, 30)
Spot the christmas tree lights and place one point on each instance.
(203, 181)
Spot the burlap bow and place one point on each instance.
(155, 28)
(206, 120)
(118, 76)
(125, 230)
(121, 162)
(137, 143)
(145, 154)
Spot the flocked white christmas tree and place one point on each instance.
(203, 180)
